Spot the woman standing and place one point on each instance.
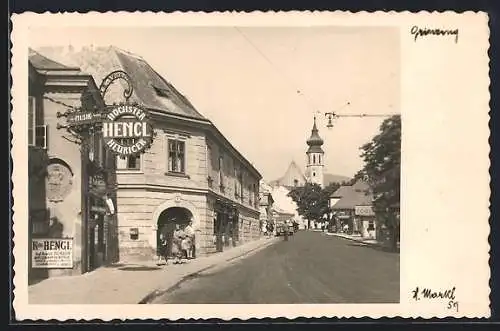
(177, 250)
(189, 241)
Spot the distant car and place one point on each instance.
(283, 227)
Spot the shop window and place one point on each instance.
(176, 156)
(131, 162)
(371, 225)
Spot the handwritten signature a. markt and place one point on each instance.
(430, 294)
(418, 32)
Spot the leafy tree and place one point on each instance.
(312, 200)
(382, 164)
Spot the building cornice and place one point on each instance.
(161, 188)
(228, 200)
(181, 189)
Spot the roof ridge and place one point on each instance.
(128, 53)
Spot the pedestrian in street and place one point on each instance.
(177, 250)
(188, 242)
(162, 250)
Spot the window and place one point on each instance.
(31, 120)
(250, 193)
(240, 179)
(314, 174)
(371, 225)
(319, 157)
(131, 162)
(236, 178)
(176, 156)
(314, 159)
(221, 171)
(295, 182)
(255, 197)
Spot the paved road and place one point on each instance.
(309, 268)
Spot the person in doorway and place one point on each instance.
(188, 242)
(177, 250)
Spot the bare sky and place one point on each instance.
(262, 86)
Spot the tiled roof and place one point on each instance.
(41, 62)
(153, 90)
(351, 196)
(150, 89)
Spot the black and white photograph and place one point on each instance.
(222, 164)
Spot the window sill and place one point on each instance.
(177, 174)
(129, 171)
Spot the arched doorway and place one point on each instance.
(166, 224)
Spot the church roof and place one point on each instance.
(293, 172)
(314, 139)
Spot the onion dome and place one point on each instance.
(315, 142)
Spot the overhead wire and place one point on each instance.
(308, 100)
(293, 84)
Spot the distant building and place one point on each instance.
(191, 171)
(352, 206)
(266, 203)
(315, 157)
(314, 169)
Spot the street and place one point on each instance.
(311, 267)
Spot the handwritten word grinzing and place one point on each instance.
(427, 293)
(422, 32)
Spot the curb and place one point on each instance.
(157, 292)
(359, 241)
(380, 245)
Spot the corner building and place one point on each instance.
(190, 172)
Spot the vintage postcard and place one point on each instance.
(250, 165)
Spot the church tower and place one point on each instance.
(315, 157)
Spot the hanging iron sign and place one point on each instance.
(82, 118)
(126, 130)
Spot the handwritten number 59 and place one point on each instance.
(453, 305)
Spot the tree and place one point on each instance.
(382, 164)
(312, 200)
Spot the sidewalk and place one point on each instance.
(130, 283)
(357, 238)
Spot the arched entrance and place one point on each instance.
(167, 222)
